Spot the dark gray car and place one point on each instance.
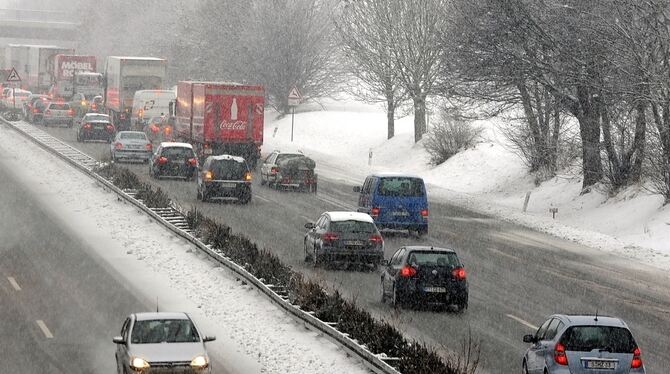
(161, 343)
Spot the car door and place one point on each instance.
(387, 272)
(394, 267)
(364, 196)
(535, 360)
(265, 169)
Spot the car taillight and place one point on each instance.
(167, 130)
(637, 359)
(162, 160)
(117, 145)
(70, 112)
(424, 213)
(87, 126)
(149, 146)
(154, 128)
(193, 161)
(329, 236)
(35, 110)
(459, 273)
(559, 354)
(94, 106)
(110, 128)
(407, 271)
(208, 175)
(247, 176)
(47, 112)
(377, 239)
(374, 212)
(274, 170)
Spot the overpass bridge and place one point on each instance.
(28, 26)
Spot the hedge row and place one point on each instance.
(378, 336)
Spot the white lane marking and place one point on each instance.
(44, 329)
(14, 284)
(527, 324)
(262, 198)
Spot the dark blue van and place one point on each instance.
(395, 201)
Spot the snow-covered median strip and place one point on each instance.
(253, 334)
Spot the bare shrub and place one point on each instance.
(657, 169)
(450, 135)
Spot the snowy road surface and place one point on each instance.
(126, 262)
(517, 276)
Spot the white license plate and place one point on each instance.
(597, 364)
(228, 185)
(434, 289)
(400, 214)
(353, 242)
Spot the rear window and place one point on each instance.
(93, 117)
(133, 135)
(227, 169)
(353, 226)
(400, 186)
(59, 106)
(433, 259)
(176, 152)
(287, 156)
(588, 338)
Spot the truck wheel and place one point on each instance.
(314, 187)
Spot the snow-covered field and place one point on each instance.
(489, 178)
(253, 335)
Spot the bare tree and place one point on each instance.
(363, 33)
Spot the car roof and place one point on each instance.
(388, 174)
(349, 216)
(590, 320)
(428, 248)
(175, 144)
(296, 151)
(226, 157)
(130, 132)
(160, 315)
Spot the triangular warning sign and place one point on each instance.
(13, 76)
(294, 94)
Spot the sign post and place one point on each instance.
(294, 99)
(13, 76)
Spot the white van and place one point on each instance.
(150, 103)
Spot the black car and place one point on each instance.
(37, 111)
(225, 177)
(30, 108)
(95, 127)
(174, 160)
(425, 275)
(343, 237)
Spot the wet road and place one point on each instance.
(517, 277)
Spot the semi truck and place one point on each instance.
(126, 75)
(76, 74)
(35, 64)
(220, 118)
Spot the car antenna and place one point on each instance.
(156, 305)
(596, 319)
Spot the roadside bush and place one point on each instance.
(151, 198)
(657, 169)
(449, 136)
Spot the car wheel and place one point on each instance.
(396, 300)
(316, 259)
(198, 195)
(524, 368)
(314, 187)
(263, 181)
(308, 255)
(381, 288)
(462, 304)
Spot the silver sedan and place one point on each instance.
(161, 343)
(131, 145)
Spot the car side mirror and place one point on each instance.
(309, 225)
(357, 189)
(529, 339)
(208, 339)
(118, 340)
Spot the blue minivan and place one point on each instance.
(395, 201)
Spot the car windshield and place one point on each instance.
(228, 169)
(433, 259)
(176, 152)
(353, 226)
(401, 186)
(133, 135)
(97, 117)
(609, 338)
(59, 106)
(164, 331)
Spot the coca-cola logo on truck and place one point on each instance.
(232, 125)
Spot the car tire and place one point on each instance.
(461, 304)
(524, 368)
(263, 181)
(382, 291)
(316, 259)
(313, 188)
(198, 195)
(396, 301)
(308, 255)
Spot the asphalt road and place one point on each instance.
(517, 277)
(60, 305)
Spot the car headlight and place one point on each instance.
(139, 363)
(199, 362)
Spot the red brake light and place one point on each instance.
(459, 273)
(329, 236)
(376, 238)
(162, 160)
(407, 271)
(110, 128)
(637, 360)
(70, 112)
(424, 213)
(88, 126)
(117, 145)
(47, 112)
(274, 170)
(559, 354)
(374, 212)
(149, 146)
(193, 161)
(35, 110)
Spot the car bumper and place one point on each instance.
(232, 189)
(413, 226)
(96, 135)
(133, 155)
(411, 291)
(57, 121)
(366, 256)
(183, 171)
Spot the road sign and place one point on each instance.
(294, 97)
(13, 76)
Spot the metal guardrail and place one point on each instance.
(173, 219)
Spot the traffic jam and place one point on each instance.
(210, 136)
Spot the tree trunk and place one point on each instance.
(538, 149)
(639, 142)
(615, 172)
(589, 129)
(555, 136)
(390, 115)
(419, 116)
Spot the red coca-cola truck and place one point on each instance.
(220, 118)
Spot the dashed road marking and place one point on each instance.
(44, 329)
(521, 321)
(14, 284)
(262, 198)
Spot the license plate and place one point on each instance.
(353, 242)
(400, 214)
(598, 364)
(434, 289)
(228, 185)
